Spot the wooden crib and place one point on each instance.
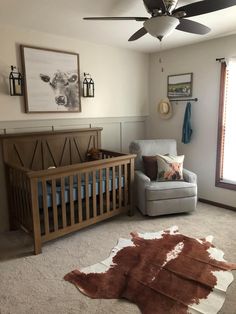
(54, 190)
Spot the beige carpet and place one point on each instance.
(34, 284)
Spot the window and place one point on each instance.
(226, 150)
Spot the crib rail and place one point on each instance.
(109, 154)
(51, 203)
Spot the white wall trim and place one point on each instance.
(22, 126)
(17, 126)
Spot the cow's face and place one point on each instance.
(61, 83)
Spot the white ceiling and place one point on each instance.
(63, 17)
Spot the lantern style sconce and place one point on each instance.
(16, 82)
(88, 86)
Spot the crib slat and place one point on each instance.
(94, 195)
(23, 182)
(113, 188)
(24, 200)
(45, 207)
(21, 193)
(26, 211)
(54, 205)
(63, 204)
(79, 198)
(120, 190)
(35, 216)
(18, 196)
(21, 203)
(30, 225)
(26, 204)
(87, 195)
(19, 212)
(100, 192)
(10, 195)
(15, 196)
(18, 175)
(126, 186)
(72, 213)
(107, 191)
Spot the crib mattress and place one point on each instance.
(75, 189)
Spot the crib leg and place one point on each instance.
(131, 210)
(37, 246)
(37, 236)
(12, 224)
(130, 213)
(131, 205)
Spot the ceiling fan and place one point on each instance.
(166, 16)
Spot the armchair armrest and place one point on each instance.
(141, 181)
(189, 176)
(141, 176)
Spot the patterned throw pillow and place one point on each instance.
(170, 168)
(150, 166)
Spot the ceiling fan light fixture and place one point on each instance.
(161, 26)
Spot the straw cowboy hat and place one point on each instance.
(165, 109)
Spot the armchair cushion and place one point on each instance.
(170, 190)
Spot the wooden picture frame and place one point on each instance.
(51, 80)
(180, 85)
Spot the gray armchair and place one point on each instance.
(155, 198)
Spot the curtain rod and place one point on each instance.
(187, 99)
(220, 59)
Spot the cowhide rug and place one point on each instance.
(162, 272)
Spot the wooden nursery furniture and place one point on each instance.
(53, 190)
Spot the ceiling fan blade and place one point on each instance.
(113, 18)
(192, 27)
(152, 5)
(141, 32)
(203, 7)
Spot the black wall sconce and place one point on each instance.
(16, 82)
(88, 86)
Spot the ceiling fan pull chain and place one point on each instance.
(160, 58)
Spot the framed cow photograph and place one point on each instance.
(51, 80)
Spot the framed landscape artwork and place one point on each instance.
(52, 80)
(180, 85)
